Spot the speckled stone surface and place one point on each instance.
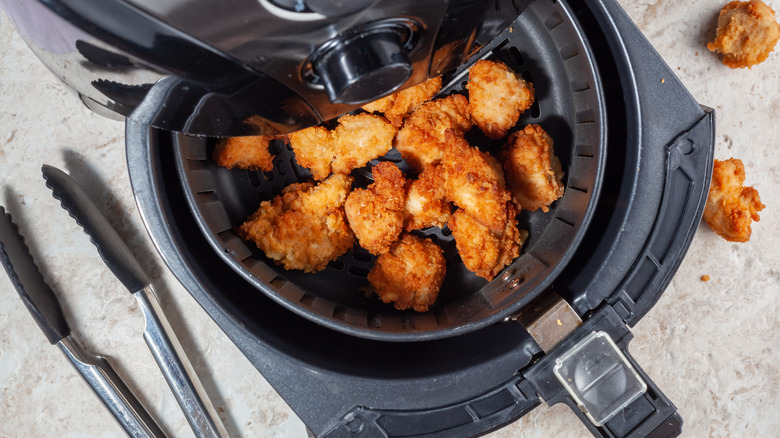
(713, 347)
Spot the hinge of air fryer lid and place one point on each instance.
(548, 319)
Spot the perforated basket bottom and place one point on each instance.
(546, 47)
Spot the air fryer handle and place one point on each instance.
(651, 415)
(143, 36)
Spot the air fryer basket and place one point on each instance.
(546, 46)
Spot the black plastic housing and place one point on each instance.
(660, 153)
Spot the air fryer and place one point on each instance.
(352, 378)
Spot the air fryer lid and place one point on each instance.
(243, 67)
(546, 46)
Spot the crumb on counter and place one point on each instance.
(705, 278)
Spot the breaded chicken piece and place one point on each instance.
(426, 204)
(313, 149)
(375, 214)
(359, 139)
(423, 137)
(483, 251)
(410, 275)
(355, 141)
(747, 33)
(305, 227)
(381, 105)
(474, 181)
(731, 207)
(250, 153)
(533, 172)
(497, 97)
(399, 105)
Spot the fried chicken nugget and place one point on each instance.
(483, 251)
(313, 149)
(250, 153)
(474, 181)
(410, 275)
(355, 141)
(359, 139)
(399, 105)
(731, 207)
(375, 214)
(426, 204)
(423, 137)
(747, 33)
(497, 97)
(305, 227)
(532, 170)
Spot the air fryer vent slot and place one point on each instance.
(553, 21)
(336, 264)
(307, 300)
(569, 52)
(516, 57)
(567, 222)
(586, 116)
(375, 320)
(358, 271)
(579, 85)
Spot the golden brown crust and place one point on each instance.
(399, 105)
(375, 214)
(483, 251)
(359, 139)
(356, 140)
(731, 207)
(423, 138)
(410, 275)
(497, 97)
(313, 150)
(533, 173)
(250, 153)
(474, 181)
(380, 105)
(305, 227)
(426, 204)
(747, 33)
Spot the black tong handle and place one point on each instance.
(110, 245)
(37, 296)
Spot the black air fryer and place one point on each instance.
(637, 152)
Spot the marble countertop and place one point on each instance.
(713, 347)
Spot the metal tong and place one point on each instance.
(158, 334)
(44, 307)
